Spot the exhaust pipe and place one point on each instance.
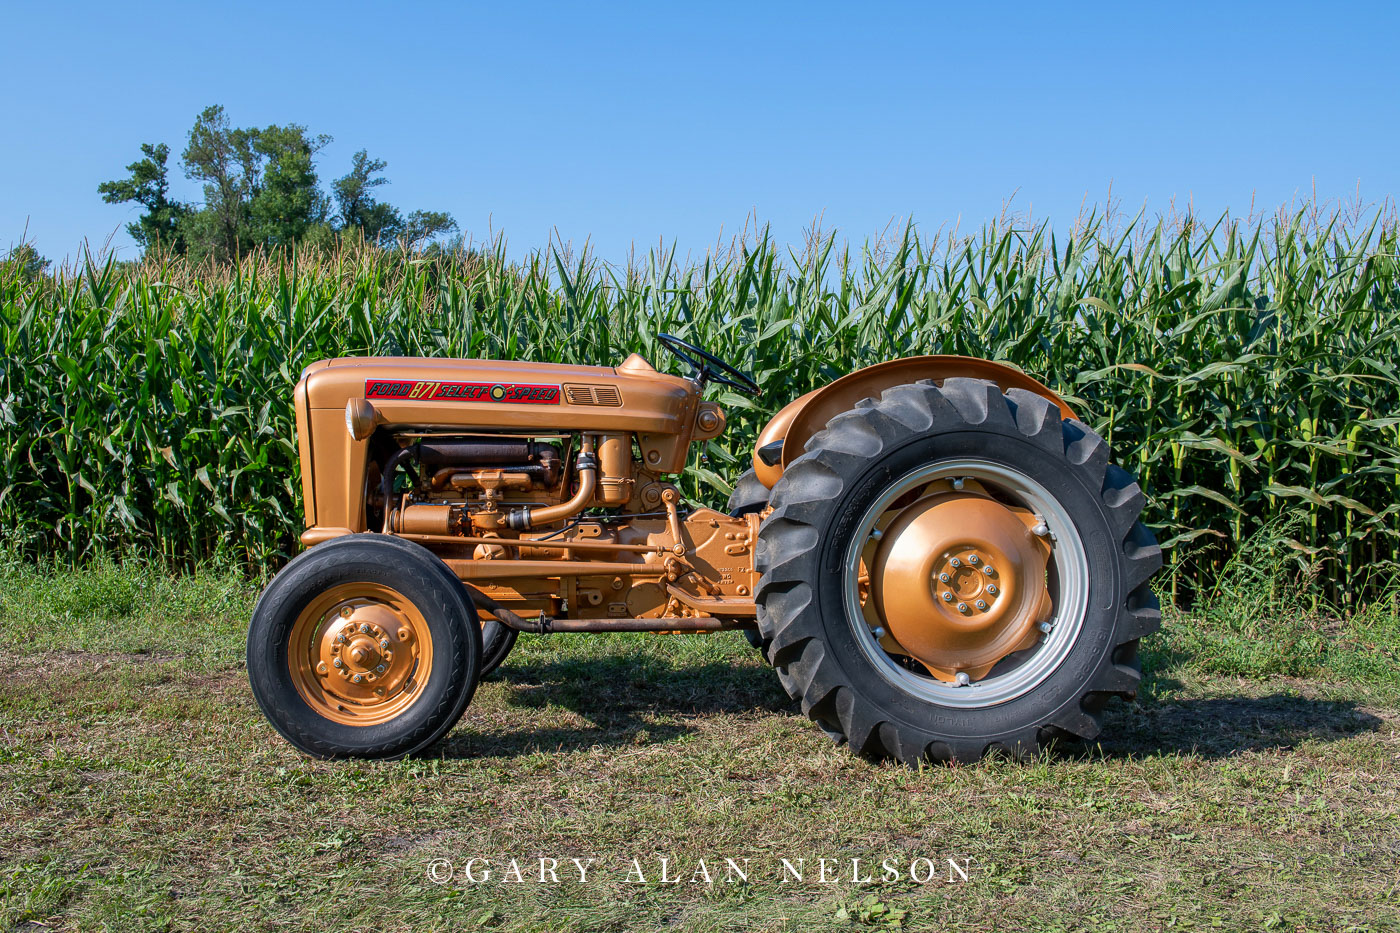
(526, 518)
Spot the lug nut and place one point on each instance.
(383, 644)
(364, 627)
(962, 607)
(981, 604)
(955, 562)
(379, 669)
(987, 569)
(947, 596)
(944, 578)
(963, 679)
(338, 663)
(973, 559)
(359, 678)
(992, 589)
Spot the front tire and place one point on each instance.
(365, 646)
(496, 642)
(750, 496)
(820, 605)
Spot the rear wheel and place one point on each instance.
(952, 571)
(364, 646)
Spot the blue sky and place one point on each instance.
(629, 123)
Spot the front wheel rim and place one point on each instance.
(360, 654)
(1038, 655)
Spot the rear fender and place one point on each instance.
(795, 424)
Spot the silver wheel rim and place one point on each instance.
(1068, 581)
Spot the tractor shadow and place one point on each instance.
(630, 699)
(622, 700)
(1220, 727)
(1166, 720)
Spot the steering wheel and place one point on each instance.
(708, 367)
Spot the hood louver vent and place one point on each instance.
(593, 395)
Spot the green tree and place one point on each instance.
(427, 225)
(224, 159)
(149, 186)
(377, 221)
(288, 201)
(354, 198)
(261, 189)
(23, 261)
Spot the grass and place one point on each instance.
(1254, 786)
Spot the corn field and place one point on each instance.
(1245, 371)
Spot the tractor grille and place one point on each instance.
(593, 395)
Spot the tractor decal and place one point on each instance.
(431, 391)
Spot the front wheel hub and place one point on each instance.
(358, 652)
(959, 579)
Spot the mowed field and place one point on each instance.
(1253, 787)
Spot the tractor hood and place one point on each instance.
(494, 394)
(342, 403)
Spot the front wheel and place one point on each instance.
(365, 646)
(950, 571)
(750, 496)
(496, 642)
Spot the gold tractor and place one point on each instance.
(934, 553)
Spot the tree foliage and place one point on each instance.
(260, 189)
(379, 222)
(24, 263)
(149, 186)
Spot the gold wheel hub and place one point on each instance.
(959, 580)
(359, 654)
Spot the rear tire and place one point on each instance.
(803, 557)
(415, 665)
